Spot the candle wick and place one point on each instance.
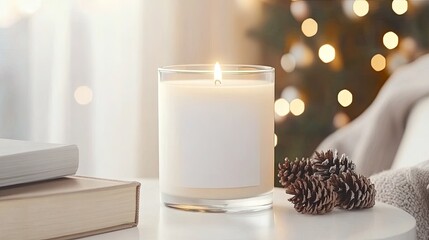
(218, 82)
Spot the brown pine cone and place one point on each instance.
(289, 171)
(353, 190)
(312, 195)
(328, 163)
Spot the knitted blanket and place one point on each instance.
(407, 188)
(372, 139)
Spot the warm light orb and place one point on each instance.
(348, 9)
(299, 9)
(309, 27)
(288, 62)
(399, 6)
(297, 107)
(275, 140)
(302, 54)
(83, 95)
(360, 7)
(345, 98)
(378, 62)
(281, 107)
(327, 53)
(340, 120)
(390, 40)
(290, 93)
(408, 45)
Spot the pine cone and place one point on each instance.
(353, 190)
(327, 163)
(312, 195)
(289, 171)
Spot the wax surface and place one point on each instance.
(216, 136)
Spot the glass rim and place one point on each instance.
(209, 68)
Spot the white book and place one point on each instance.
(25, 161)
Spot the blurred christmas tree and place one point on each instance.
(331, 59)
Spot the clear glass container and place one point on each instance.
(216, 137)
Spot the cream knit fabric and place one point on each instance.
(372, 139)
(407, 188)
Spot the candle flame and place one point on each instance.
(217, 74)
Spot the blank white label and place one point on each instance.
(219, 150)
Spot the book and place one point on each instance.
(67, 208)
(25, 161)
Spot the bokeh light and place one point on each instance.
(378, 62)
(340, 120)
(288, 62)
(390, 40)
(281, 107)
(299, 10)
(297, 107)
(83, 95)
(275, 140)
(399, 6)
(290, 93)
(408, 45)
(345, 98)
(309, 27)
(327, 53)
(360, 7)
(302, 53)
(348, 9)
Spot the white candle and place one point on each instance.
(216, 138)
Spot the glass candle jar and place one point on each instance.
(216, 137)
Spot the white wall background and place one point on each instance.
(114, 47)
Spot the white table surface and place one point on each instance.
(281, 222)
